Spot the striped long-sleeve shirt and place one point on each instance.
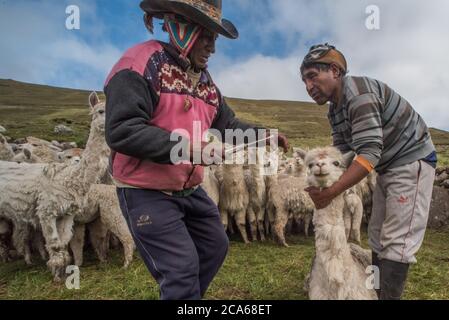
(378, 124)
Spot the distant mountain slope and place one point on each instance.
(30, 109)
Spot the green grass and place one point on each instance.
(258, 271)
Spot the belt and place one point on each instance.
(181, 194)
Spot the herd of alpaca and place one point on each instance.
(49, 197)
(43, 199)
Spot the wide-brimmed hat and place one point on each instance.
(207, 13)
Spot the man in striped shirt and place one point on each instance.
(389, 136)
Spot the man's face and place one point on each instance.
(320, 85)
(203, 48)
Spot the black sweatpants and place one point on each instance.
(181, 240)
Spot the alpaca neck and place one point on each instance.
(94, 162)
(330, 236)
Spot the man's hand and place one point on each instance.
(281, 139)
(321, 198)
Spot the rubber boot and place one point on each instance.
(393, 276)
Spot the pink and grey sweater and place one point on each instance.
(146, 94)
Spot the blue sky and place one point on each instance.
(409, 52)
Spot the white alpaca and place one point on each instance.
(102, 207)
(51, 195)
(234, 196)
(74, 155)
(287, 199)
(255, 182)
(211, 184)
(339, 269)
(6, 152)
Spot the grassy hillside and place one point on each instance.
(34, 110)
(256, 271)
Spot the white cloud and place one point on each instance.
(409, 52)
(36, 46)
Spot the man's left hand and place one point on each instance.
(321, 198)
(281, 140)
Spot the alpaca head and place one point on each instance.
(70, 155)
(26, 156)
(325, 166)
(98, 114)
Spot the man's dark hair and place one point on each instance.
(320, 67)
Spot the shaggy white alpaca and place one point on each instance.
(6, 152)
(339, 269)
(51, 195)
(287, 199)
(102, 214)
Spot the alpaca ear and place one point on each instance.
(348, 158)
(299, 153)
(2, 139)
(27, 153)
(93, 99)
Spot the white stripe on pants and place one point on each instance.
(401, 205)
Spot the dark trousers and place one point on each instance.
(181, 240)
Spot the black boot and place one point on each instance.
(393, 276)
(376, 263)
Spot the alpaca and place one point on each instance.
(102, 214)
(234, 197)
(287, 199)
(211, 184)
(27, 236)
(73, 155)
(305, 213)
(365, 191)
(43, 150)
(255, 181)
(338, 271)
(26, 156)
(6, 152)
(51, 195)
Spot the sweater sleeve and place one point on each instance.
(129, 108)
(367, 130)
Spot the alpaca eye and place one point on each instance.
(311, 166)
(336, 163)
(101, 111)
